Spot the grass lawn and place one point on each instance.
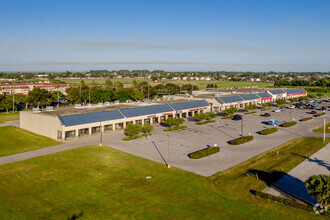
(321, 129)
(102, 81)
(221, 84)
(15, 140)
(104, 183)
(4, 116)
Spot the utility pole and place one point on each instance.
(242, 126)
(100, 135)
(13, 103)
(168, 151)
(324, 128)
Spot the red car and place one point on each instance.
(313, 112)
(306, 107)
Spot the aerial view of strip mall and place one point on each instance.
(164, 109)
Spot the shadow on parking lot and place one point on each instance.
(221, 131)
(315, 160)
(159, 153)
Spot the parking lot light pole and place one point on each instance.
(168, 151)
(101, 135)
(324, 128)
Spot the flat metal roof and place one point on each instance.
(230, 99)
(189, 105)
(146, 110)
(249, 96)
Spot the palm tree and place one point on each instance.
(319, 187)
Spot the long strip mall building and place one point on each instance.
(69, 122)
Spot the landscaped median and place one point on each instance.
(205, 152)
(288, 124)
(135, 137)
(320, 114)
(241, 140)
(205, 122)
(268, 131)
(321, 129)
(176, 128)
(306, 119)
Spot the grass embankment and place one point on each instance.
(321, 129)
(103, 183)
(15, 140)
(4, 116)
(236, 183)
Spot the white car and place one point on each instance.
(291, 106)
(277, 110)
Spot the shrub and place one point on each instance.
(283, 201)
(267, 104)
(306, 119)
(268, 131)
(147, 128)
(175, 128)
(204, 152)
(320, 114)
(248, 113)
(212, 115)
(133, 129)
(132, 137)
(293, 100)
(174, 121)
(227, 117)
(280, 102)
(205, 122)
(241, 140)
(230, 111)
(288, 124)
(265, 109)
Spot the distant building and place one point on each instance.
(24, 88)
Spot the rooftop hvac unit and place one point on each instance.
(195, 94)
(216, 94)
(107, 103)
(36, 110)
(49, 108)
(77, 106)
(116, 102)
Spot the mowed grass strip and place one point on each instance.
(104, 183)
(4, 116)
(236, 182)
(15, 140)
(321, 129)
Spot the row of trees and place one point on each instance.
(323, 82)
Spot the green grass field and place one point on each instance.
(321, 129)
(221, 84)
(102, 81)
(15, 140)
(4, 116)
(104, 183)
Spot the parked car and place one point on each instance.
(237, 117)
(291, 106)
(272, 122)
(277, 110)
(324, 109)
(306, 107)
(266, 114)
(313, 112)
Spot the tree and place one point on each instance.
(174, 121)
(250, 107)
(73, 94)
(100, 95)
(200, 116)
(118, 85)
(280, 102)
(212, 85)
(123, 95)
(230, 111)
(108, 84)
(39, 96)
(136, 94)
(147, 128)
(211, 115)
(319, 187)
(132, 129)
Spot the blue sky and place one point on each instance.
(250, 35)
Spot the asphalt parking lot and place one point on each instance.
(197, 137)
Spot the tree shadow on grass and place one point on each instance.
(76, 216)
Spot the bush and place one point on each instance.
(227, 117)
(267, 104)
(132, 137)
(319, 115)
(280, 102)
(288, 124)
(293, 100)
(248, 113)
(241, 140)
(306, 119)
(268, 131)
(175, 128)
(266, 109)
(204, 152)
(250, 107)
(230, 111)
(205, 122)
(283, 201)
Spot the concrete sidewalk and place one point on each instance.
(294, 182)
